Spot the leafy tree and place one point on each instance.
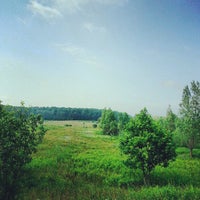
(170, 123)
(20, 133)
(146, 145)
(190, 115)
(171, 119)
(180, 139)
(123, 119)
(108, 122)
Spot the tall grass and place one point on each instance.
(74, 162)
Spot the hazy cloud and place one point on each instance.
(43, 11)
(170, 84)
(70, 6)
(22, 21)
(93, 28)
(52, 9)
(76, 51)
(55, 8)
(79, 53)
(91, 61)
(114, 2)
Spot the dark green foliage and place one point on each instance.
(68, 125)
(20, 133)
(94, 125)
(190, 115)
(146, 144)
(108, 122)
(55, 113)
(61, 113)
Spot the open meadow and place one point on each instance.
(75, 161)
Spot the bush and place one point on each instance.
(94, 125)
(68, 125)
(20, 133)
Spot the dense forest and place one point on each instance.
(62, 113)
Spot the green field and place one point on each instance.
(76, 162)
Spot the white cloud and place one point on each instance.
(51, 9)
(70, 6)
(113, 2)
(43, 11)
(93, 28)
(73, 6)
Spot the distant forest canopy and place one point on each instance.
(62, 113)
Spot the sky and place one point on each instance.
(118, 54)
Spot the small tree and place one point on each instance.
(190, 115)
(146, 145)
(20, 133)
(171, 119)
(123, 120)
(108, 122)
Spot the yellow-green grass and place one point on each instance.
(76, 162)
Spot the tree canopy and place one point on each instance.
(190, 115)
(146, 145)
(108, 122)
(20, 133)
(62, 113)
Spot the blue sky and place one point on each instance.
(122, 54)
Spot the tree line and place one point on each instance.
(62, 113)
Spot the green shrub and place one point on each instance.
(68, 125)
(20, 133)
(94, 125)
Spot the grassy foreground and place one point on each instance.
(76, 162)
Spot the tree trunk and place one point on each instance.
(146, 179)
(191, 155)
